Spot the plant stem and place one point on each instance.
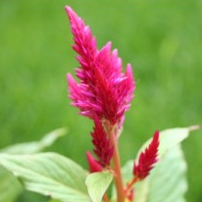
(105, 198)
(117, 169)
(130, 185)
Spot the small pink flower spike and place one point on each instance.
(103, 89)
(102, 147)
(94, 166)
(147, 159)
(131, 195)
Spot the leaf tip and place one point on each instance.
(195, 127)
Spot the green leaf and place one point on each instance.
(168, 180)
(49, 174)
(10, 187)
(142, 190)
(34, 147)
(97, 184)
(171, 137)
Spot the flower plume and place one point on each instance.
(147, 159)
(102, 145)
(103, 89)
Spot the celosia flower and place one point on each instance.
(102, 145)
(147, 159)
(94, 166)
(103, 89)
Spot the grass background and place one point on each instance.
(162, 40)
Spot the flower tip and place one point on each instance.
(106, 47)
(70, 12)
(109, 44)
(129, 70)
(129, 67)
(94, 166)
(156, 135)
(69, 78)
(68, 9)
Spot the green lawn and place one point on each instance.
(162, 40)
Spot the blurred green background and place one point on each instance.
(162, 40)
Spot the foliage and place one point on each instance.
(163, 42)
(10, 188)
(62, 179)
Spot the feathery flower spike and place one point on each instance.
(94, 166)
(103, 89)
(102, 146)
(147, 159)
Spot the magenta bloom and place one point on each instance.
(147, 159)
(103, 89)
(102, 146)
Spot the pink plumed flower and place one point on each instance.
(102, 146)
(103, 89)
(94, 166)
(147, 159)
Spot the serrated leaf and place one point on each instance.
(10, 187)
(97, 184)
(49, 174)
(37, 146)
